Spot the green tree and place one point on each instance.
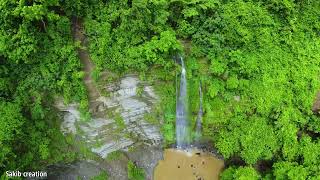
(241, 173)
(290, 170)
(11, 123)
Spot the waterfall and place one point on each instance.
(198, 133)
(181, 110)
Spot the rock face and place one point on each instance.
(146, 158)
(143, 156)
(80, 169)
(118, 121)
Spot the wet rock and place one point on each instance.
(146, 158)
(84, 170)
(118, 169)
(118, 120)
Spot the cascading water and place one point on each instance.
(198, 133)
(181, 110)
(177, 162)
(182, 123)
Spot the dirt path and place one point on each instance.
(316, 104)
(88, 66)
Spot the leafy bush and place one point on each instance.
(131, 37)
(134, 172)
(38, 60)
(102, 176)
(241, 173)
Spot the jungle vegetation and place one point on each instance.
(258, 61)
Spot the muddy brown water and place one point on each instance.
(192, 165)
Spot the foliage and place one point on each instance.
(131, 36)
(38, 61)
(102, 176)
(166, 113)
(134, 172)
(11, 122)
(261, 77)
(247, 136)
(289, 170)
(119, 122)
(258, 62)
(114, 155)
(241, 173)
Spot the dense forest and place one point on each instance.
(258, 61)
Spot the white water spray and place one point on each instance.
(181, 110)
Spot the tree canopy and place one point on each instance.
(258, 61)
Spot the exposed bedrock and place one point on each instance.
(118, 122)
